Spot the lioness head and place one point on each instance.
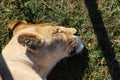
(46, 44)
(47, 37)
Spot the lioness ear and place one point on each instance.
(29, 40)
(15, 25)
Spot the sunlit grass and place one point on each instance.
(69, 13)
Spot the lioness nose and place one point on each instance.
(80, 45)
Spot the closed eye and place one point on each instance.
(57, 31)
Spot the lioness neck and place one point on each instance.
(49, 61)
(18, 63)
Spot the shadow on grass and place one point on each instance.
(102, 37)
(71, 68)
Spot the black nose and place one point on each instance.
(77, 34)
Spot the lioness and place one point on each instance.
(35, 49)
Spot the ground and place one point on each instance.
(98, 25)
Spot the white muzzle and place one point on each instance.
(80, 45)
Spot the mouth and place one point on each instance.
(78, 49)
(73, 51)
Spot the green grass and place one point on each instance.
(70, 13)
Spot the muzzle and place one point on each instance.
(80, 45)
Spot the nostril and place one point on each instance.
(75, 34)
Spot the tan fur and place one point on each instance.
(0, 78)
(35, 48)
(17, 25)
